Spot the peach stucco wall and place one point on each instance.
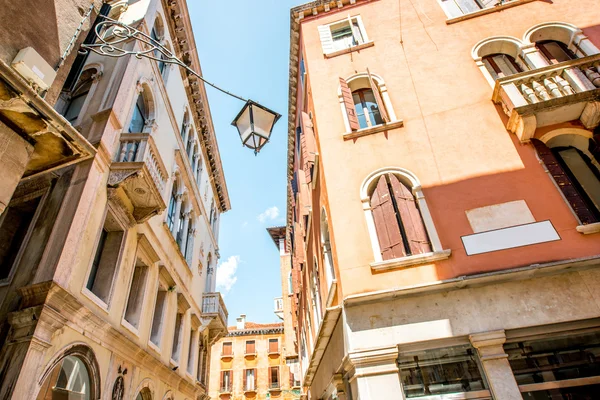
(453, 139)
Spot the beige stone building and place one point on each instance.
(444, 198)
(250, 363)
(110, 210)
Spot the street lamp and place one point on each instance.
(254, 122)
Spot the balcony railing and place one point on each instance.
(550, 95)
(214, 307)
(139, 170)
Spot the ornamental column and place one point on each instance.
(495, 364)
(376, 374)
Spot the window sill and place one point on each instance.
(589, 228)
(373, 130)
(359, 47)
(485, 11)
(154, 346)
(382, 266)
(127, 325)
(95, 299)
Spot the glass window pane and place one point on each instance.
(468, 6)
(440, 371)
(372, 107)
(572, 393)
(555, 359)
(583, 173)
(360, 111)
(138, 120)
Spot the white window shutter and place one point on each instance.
(326, 38)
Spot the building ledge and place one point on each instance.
(373, 130)
(410, 261)
(589, 228)
(359, 47)
(477, 280)
(485, 11)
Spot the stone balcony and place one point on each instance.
(214, 315)
(139, 171)
(551, 95)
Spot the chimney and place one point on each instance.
(241, 321)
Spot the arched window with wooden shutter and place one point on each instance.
(398, 221)
(576, 177)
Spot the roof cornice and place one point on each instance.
(184, 45)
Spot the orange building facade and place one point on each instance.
(444, 198)
(250, 363)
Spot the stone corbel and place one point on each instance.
(590, 117)
(522, 126)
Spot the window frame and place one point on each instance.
(115, 214)
(411, 182)
(327, 41)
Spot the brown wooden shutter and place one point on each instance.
(416, 234)
(386, 224)
(564, 183)
(245, 384)
(349, 103)
(378, 99)
(309, 147)
(304, 193)
(270, 377)
(273, 345)
(227, 349)
(222, 380)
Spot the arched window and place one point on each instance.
(190, 145)
(79, 95)
(365, 101)
(316, 296)
(185, 125)
(157, 34)
(575, 171)
(399, 222)
(172, 209)
(199, 167)
(555, 51)
(188, 248)
(181, 235)
(501, 65)
(140, 115)
(209, 272)
(70, 379)
(367, 109)
(144, 394)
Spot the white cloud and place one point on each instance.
(244, 224)
(226, 274)
(270, 214)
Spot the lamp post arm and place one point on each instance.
(112, 33)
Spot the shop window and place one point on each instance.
(440, 371)
(501, 65)
(342, 35)
(135, 301)
(557, 368)
(177, 337)
(398, 222)
(15, 224)
(104, 265)
(158, 318)
(70, 379)
(274, 378)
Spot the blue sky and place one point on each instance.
(244, 47)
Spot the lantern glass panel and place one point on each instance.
(263, 121)
(243, 125)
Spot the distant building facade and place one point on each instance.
(249, 363)
(444, 198)
(108, 266)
